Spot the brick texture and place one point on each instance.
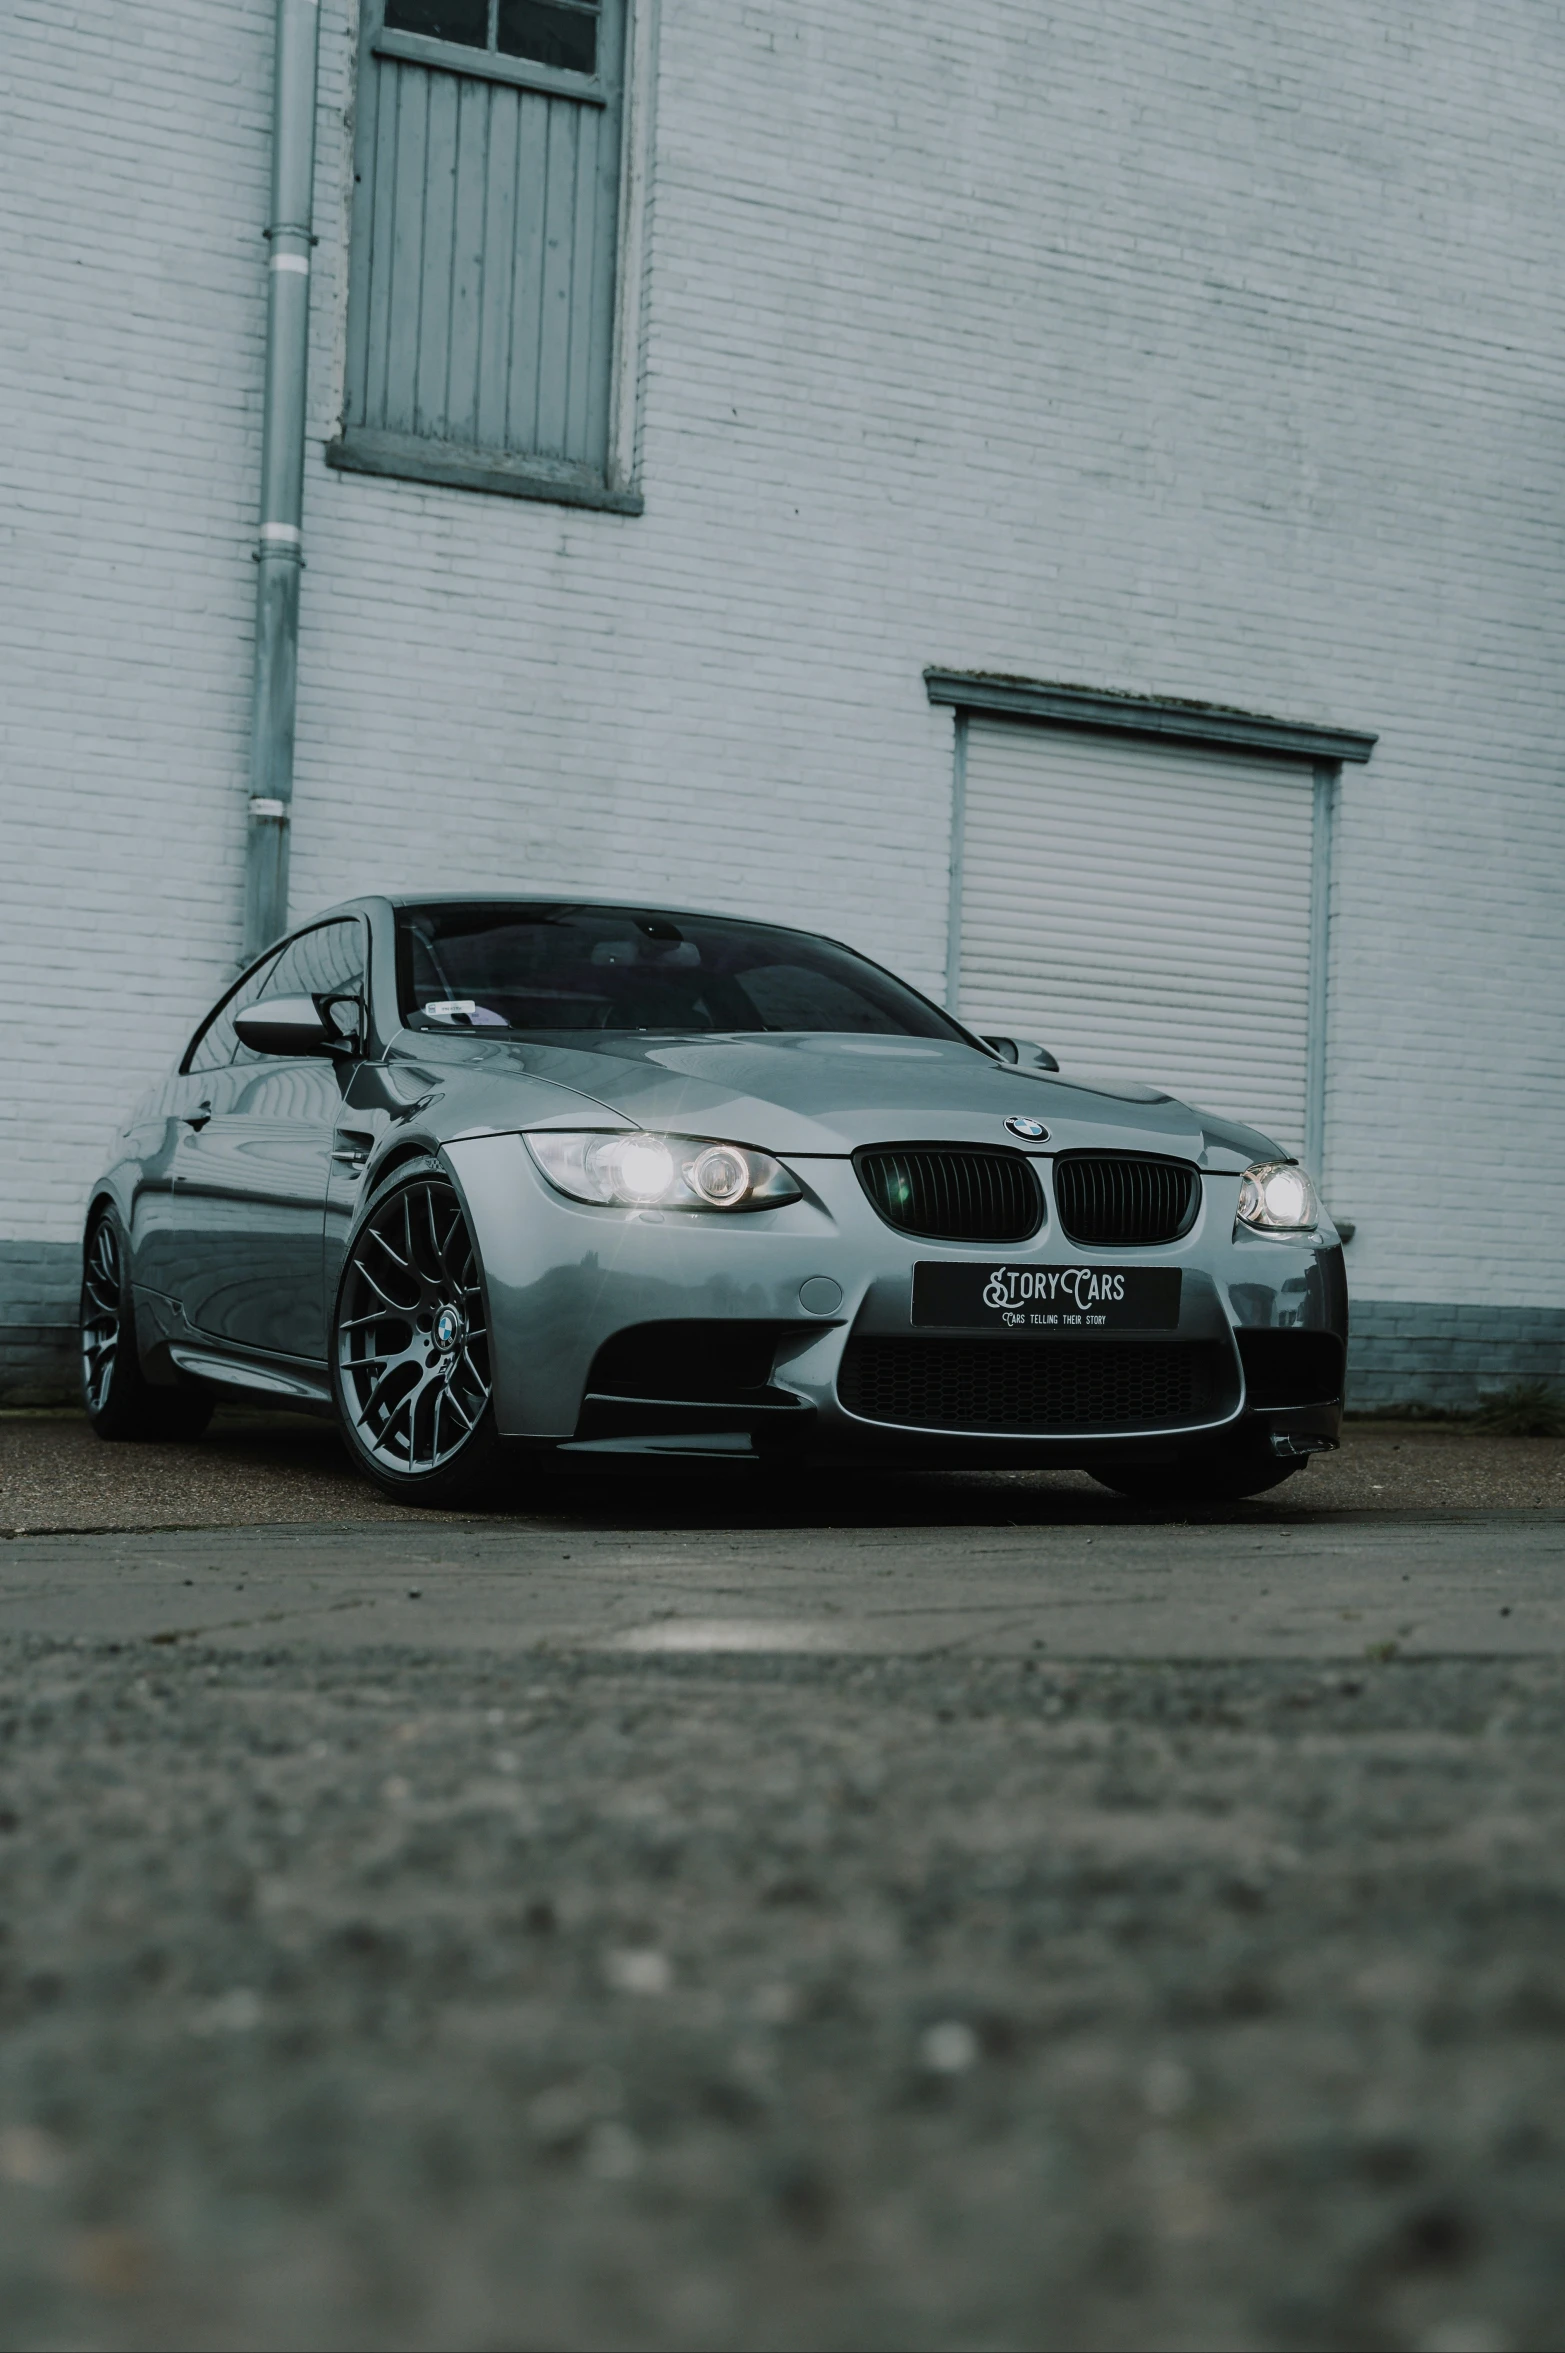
(1192, 349)
(39, 1283)
(1430, 1354)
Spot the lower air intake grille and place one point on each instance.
(714, 1363)
(1112, 1198)
(1291, 1368)
(949, 1195)
(1041, 1387)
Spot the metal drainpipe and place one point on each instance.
(280, 551)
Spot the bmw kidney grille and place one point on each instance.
(953, 1195)
(1108, 1199)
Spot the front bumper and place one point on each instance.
(566, 1280)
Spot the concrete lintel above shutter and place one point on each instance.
(486, 65)
(1133, 714)
(408, 457)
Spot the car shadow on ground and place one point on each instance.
(258, 1468)
(623, 1493)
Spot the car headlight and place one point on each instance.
(660, 1172)
(1276, 1197)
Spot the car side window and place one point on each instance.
(325, 962)
(215, 1039)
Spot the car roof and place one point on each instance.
(544, 898)
(540, 899)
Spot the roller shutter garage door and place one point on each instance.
(1144, 911)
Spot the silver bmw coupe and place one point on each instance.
(502, 1179)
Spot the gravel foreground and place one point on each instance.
(387, 1999)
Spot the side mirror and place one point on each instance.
(1025, 1051)
(288, 1025)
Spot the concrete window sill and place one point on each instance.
(406, 457)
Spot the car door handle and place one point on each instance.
(199, 1117)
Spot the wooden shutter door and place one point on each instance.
(481, 303)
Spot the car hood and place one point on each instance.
(821, 1093)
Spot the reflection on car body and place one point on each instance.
(496, 1179)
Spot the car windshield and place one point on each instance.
(552, 970)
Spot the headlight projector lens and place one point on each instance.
(1276, 1197)
(659, 1172)
(721, 1175)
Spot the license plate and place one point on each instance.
(1046, 1298)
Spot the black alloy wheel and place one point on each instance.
(410, 1345)
(121, 1402)
(101, 1317)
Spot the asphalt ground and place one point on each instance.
(945, 1912)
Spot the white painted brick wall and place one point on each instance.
(135, 144)
(1168, 345)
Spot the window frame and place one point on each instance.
(305, 931)
(264, 964)
(491, 64)
(187, 1060)
(398, 455)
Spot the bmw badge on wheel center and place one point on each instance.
(498, 1180)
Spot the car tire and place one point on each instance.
(410, 1365)
(121, 1402)
(1225, 1475)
